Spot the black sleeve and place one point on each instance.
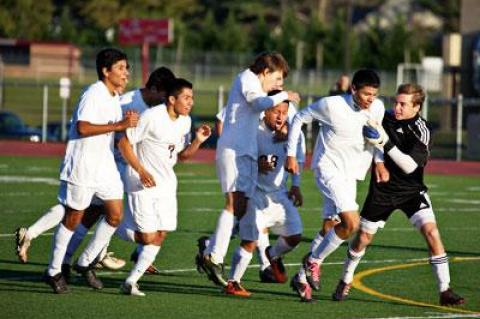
(420, 139)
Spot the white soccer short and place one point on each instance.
(339, 192)
(80, 197)
(274, 211)
(151, 212)
(237, 173)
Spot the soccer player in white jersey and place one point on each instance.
(265, 271)
(162, 136)
(272, 205)
(138, 100)
(236, 153)
(88, 168)
(404, 139)
(341, 157)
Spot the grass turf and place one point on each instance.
(28, 187)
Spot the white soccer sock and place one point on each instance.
(262, 244)
(145, 259)
(316, 242)
(280, 248)
(80, 233)
(218, 245)
(328, 245)
(125, 233)
(48, 220)
(350, 264)
(441, 271)
(100, 238)
(59, 246)
(240, 261)
(103, 252)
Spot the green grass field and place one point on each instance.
(28, 187)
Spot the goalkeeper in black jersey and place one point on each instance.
(397, 183)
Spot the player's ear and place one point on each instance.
(171, 99)
(105, 71)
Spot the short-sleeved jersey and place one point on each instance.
(412, 137)
(131, 100)
(246, 101)
(340, 144)
(158, 140)
(89, 160)
(276, 152)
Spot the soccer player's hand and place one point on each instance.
(381, 173)
(131, 118)
(264, 165)
(146, 178)
(375, 134)
(203, 132)
(293, 97)
(291, 165)
(296, 196)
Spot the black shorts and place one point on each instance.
(374, 212)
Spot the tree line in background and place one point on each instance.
(310, 33)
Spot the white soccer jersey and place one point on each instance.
(89, 160)
(245, 103)
(158, 140)
(340, 143)
(131, 100)
(276, 152)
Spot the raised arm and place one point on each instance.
(201, 135)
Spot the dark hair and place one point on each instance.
(160, 79)
(273, 61)
(274, 92)
(414, 89)
(176, 87)
(365, 77)
(108, 57)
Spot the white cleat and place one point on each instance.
(110, 262)
(128, 289)
(23, 243)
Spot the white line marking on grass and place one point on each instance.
(198, 181)
(199, 193)
(464, 201)
(457, 209)
(29, 179)
(12, 194)
(473, 188)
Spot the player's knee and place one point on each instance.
(364, 239)
(350, 225)
(293, 240)
(248, 245)
(72, 219)
(114, 219)
(146, 238)
(161, 235)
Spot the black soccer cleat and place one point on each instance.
(57, 282)
(90, 277)
(449, 298)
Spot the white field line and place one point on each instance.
(253, 266)
(464, 201)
